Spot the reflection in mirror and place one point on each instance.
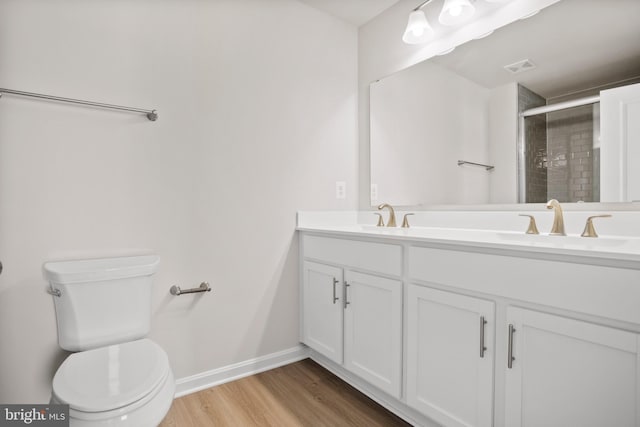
(413, 157)
(482, 104)
(561, 150)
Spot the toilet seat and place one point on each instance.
(112, 383)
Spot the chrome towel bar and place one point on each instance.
(151, 114)
(204, 287)
(464, 162)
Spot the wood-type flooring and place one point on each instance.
(300, 394)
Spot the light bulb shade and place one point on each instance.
(455, 12)
(418, 29)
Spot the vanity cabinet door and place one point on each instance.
(566, 372)
(450, 356)
(322, 309)
(373, 330)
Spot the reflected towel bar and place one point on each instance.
(152, 115)
(204, 287)
(464, 162)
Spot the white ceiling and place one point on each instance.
(357, 12)
(575, 44)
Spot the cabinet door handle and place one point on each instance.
(346, 302)
(510, 357)
(482, 346)
(335, 298)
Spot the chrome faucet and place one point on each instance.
(558, 221)
(392, 214)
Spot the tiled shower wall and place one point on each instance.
(571, 155)
(535, 152)
(560, 160)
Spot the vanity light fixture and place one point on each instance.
(453, 12)
(418, 29)
(456, 11)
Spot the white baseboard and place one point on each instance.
(236, 371)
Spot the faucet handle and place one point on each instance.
(532, 229)
(405, 220)
(380, 220)
(589, 230)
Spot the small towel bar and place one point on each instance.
(464, 162)
(204, 287)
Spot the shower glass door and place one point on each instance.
(562, 155)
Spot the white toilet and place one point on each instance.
(103, 310)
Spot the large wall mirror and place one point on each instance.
(546, 107)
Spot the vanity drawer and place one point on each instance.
(376, 257)
(596, 290)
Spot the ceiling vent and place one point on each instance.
(520, 66)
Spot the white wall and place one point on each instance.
(503, 153)
(423, 120)
(257, 105)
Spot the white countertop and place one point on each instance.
(611, 250)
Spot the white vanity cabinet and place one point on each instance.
(450, 356)
(352, 317)
(576, 370)
(322, 308)
(566, 372)
(461, 334)
(373, 330)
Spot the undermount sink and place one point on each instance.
(570, 242)
(382, 230)
(565, 240)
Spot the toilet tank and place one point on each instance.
(102, 301)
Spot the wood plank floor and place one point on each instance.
(299, 394)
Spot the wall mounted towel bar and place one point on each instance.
(151, 114)
(204, 287)
(464, 162)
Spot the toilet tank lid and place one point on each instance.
(93, 270)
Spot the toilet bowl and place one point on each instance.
(116, 377)
(128, 384)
